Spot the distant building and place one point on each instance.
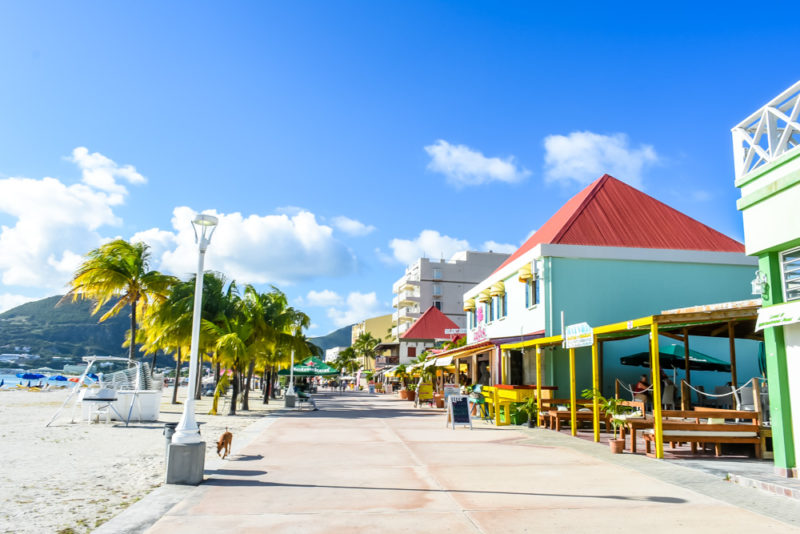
(333, 353)
(440, 284)
(381, 329)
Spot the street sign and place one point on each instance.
(578, 335)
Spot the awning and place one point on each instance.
(469, 305)
(485, 296)
(525, 273)
(778, 315)
(498, 290)
(444, 361)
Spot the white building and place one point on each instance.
(333, 353)
(440, 284)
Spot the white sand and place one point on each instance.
(73, 477)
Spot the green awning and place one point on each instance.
(312, 366)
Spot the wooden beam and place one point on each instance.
(686, 355)
(720, 329)
(676, 337)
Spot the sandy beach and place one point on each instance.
(72, 477)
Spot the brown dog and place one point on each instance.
(224, 442)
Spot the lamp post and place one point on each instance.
(187, 430)
(290, 389)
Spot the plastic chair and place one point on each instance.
(668, 397)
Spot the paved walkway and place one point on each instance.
(375, 464)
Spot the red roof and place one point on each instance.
(610, 213)
(430, 325)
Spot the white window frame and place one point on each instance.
(796, 266)
(437, 290)
(437, 273)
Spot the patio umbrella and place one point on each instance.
(29, 376)
(672, 357)
(58, 378)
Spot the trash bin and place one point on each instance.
(169, 430)
(371, 388)
(289, 400)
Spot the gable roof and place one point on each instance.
(610, 213)
(430, 325)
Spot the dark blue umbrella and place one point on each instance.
(93, 376)
(59, 378)
(29, 376)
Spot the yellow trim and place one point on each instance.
(469, 305)
(635, 324)
(539, 379)
(472, 351)
(525, 273)
(596, 387)
(655, 379)
(498, 290)
(573, 416)
(538, 342)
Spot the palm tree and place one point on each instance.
(365, 347)
(120, 270)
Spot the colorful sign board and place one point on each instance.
(578, 335)
(778, 315)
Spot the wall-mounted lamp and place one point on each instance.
(759, 284)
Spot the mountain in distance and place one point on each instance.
(69, 330)
(337, 338)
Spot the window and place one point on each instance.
(532, 292)
(437, 304)
(790, 267)
(490, 311)
(437, 289)
(471, 319)
(412, 352)
(500, 306)
(437, 274)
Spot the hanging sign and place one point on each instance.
(778, 315)
(451, 331)
(458, 411)
(578, 335)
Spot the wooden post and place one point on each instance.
(572, 399)
(732, 344)
(596, 386)
(757, 400)
(655, 368)
(474, 371)
(687, 368)
(600, 359)
(503, 372)
(539, 382)
(616, 388)
(686, 396)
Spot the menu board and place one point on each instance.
(458, 411)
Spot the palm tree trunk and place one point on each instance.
(265, 386)
(153, 364)
(246, 397)
(217, 373)
(199, 384)
(177, 378)
(132, 348)
(234, 392)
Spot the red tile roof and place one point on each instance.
(610, 213)
(430, 325)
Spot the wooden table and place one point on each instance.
(633, 424)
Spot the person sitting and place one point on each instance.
(640, 390)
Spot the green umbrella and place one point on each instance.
(312, 366)
(671, 357)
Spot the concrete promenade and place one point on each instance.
(376, 464)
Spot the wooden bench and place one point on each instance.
(685, 426)
(553, 418)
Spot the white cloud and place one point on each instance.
(258, 249)
(351, 226)
(326, 297)
(8, 301)
(582, 157)
(504, 248)
(359, 306)
(55, 223)
(429, 244)
(464, 166)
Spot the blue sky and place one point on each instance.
(338, 140)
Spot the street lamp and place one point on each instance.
(290, 389)
(187, 430)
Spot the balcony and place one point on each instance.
(395, 301)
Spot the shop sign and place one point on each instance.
(479, 334)
(578, 335)
(779, 315)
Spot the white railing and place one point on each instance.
(768, 133)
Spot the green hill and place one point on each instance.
(68, 330)
(337, 338)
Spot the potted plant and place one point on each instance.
(614, 410)
(411, 392)
(529, 410)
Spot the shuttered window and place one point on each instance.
(790, 265)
